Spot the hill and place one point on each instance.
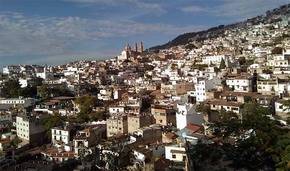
(269, 17)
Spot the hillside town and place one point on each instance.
(155, 109)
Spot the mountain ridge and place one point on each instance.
(186, 38)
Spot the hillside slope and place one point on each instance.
(269, 17)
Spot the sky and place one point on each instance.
(59, 31)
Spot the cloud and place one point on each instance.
(141, 4)
(49, 38)
(193, 9)
(243, 9)
(235, 9)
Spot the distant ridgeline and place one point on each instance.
(270, 17)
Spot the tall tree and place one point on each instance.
(222, 64)
(10, 88)
(252, 141)
(86, 105)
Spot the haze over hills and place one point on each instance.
(186, 38)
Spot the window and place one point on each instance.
(173, 156)
(183, 158)
(235, 108)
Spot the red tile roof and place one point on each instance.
(193, 127)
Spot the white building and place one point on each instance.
(105, 94)
(44, 74)
(186, 114)
(11, 69)
(240, 84)
(215, 59)
(124, 54)
(204, 85)
(26, 102)
(175, 153)
(23, 82)
(29, 129)
(116, 109)
(60, 135)
(272, 86)
(71, 71)
(280, 63)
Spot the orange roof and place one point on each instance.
(193, 127)
(55, 153)
(223, 103)
(171, 135)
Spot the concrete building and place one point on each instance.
(215, 59)
(87, 138)
(240, 83)
(138, 121)
(150, 134)
(25, 102)
(186, 113)
(117, 124)
(163, 115)
(30, 129)
(273, 86)
(116, 109)
(60, 135)
(203, 85)
(175, 153)
(219, 105)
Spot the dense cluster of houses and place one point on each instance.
(151, 100)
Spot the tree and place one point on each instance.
(86, 105)
(222, 64)
(286, 104)
(29, 91)
(281, 152)
(44, 91)
(174, 66)
(252, 142)
(47, 91)
(10, 89)
(14, 143)
(277, 50)
(203, 108)
(52, 121)
(242, 60)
